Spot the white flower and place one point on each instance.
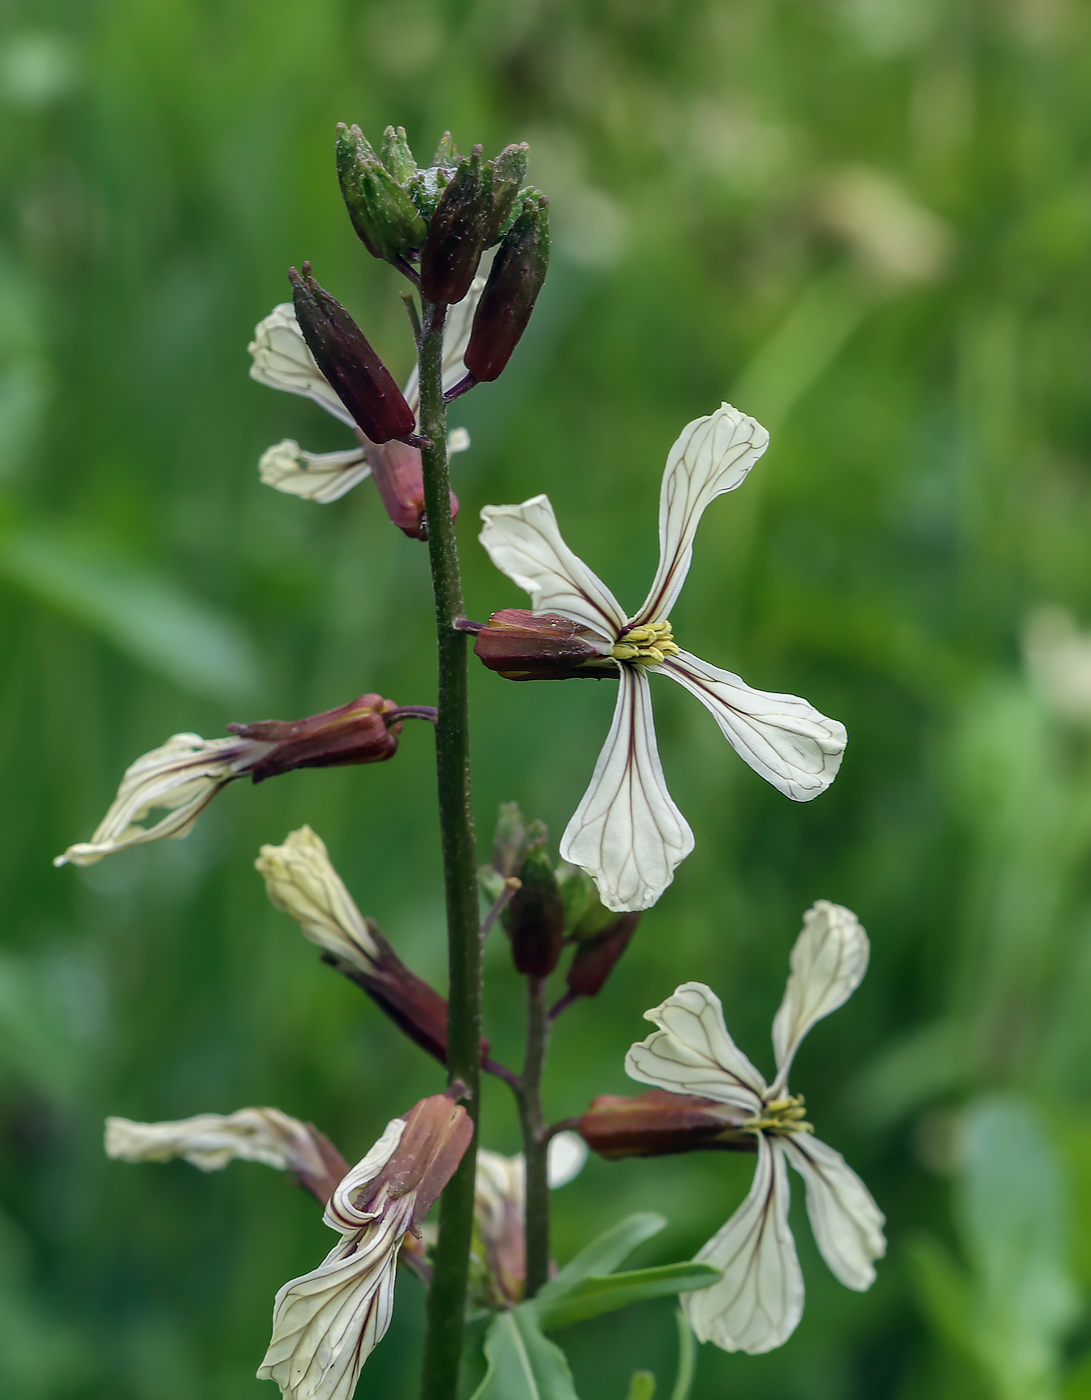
(211, 1140)
(282, 360)
(758, 1300)
(326, 1324)
(180, 779)
(627, 833)
(301, 880)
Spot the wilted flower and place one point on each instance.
(326, 1324)
(301, 880)
(500, 1212)
(211, 1140)
(758, 1300)
(627, 833)
(282, 360)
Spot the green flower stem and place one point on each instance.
(447, 1297)
(535, 1137)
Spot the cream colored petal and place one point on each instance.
(180, 778)
(456, 336)
(300, 879)
(828, 963)
(327, 1323)
(458, 440)
(316, 476)
(565, 1158)
(712, 455)
(282, 360)
(782, 737)
(847, 1224)
(758, 1301)
(525, 543)
(211, 1140)
(627, 833)
(693, 1053)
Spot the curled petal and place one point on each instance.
(847, 1224)
(828, 963)
(316, 476)
(456, 336)
(782, 737)
(712, 455)
(180, 778)
(627, 833)
(211, 1140)
(525, 543)
(283, 361)
(693, 1053)
(758, 1301)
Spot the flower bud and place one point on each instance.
(514, 281)
(384, 216)
(659, 1123)
(359, 378)
(597, 956)
(506, 173)
(457, 233)
(525, 646)
(352, 733)
(534, 919)
(397, 472)
(509, 839)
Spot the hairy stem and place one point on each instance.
(447, 1297)
(535, 1142)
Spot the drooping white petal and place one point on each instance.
(316, 476)
(180, 778)
(828, 963)
(712, 455)
(565, 1158)
(283, 361)
(456, 336)
(693, 1053)
(627, 833)
(847, 1224)
(525, 543)
(782, 737)
(758, 1301)
(211, 1140)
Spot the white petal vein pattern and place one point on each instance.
(828, 963)
(758, 1301)
(782, 737)
(525, 543)
(693, 1053)
(211, 1140)
(847, 1224)
(316, 476)
(712, 455)
(627, 833)
(282, 360)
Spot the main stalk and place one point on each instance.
(447, 1297)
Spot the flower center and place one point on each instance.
(781, 1116)
(651, 644)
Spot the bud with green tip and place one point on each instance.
(597, 956)
(509, 839)
(457, 233)
(515, 279)
(385, 218)
(397, 157)
(358, 377)
(534, 919)
(506, 174)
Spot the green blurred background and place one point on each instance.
(866, 222)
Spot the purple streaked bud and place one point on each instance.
(358, 377)
(534, 917)
(525, 646)
(659, 1124)
(597, 956)
(396, 469)
(354, 733)
(457, 233)
(514, 281)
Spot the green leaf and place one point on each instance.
(523, 1365)
(642, 1386)
(147, 616)
(603, 1255)
(687, 1358)
(594, 1295)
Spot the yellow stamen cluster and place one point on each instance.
(781, 1116)
(651, 644)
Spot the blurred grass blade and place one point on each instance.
(603, 1255)
(151, 619)
(523, 1365)
(687, 1359)
(592, 1296)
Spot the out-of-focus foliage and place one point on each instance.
(868, 223)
